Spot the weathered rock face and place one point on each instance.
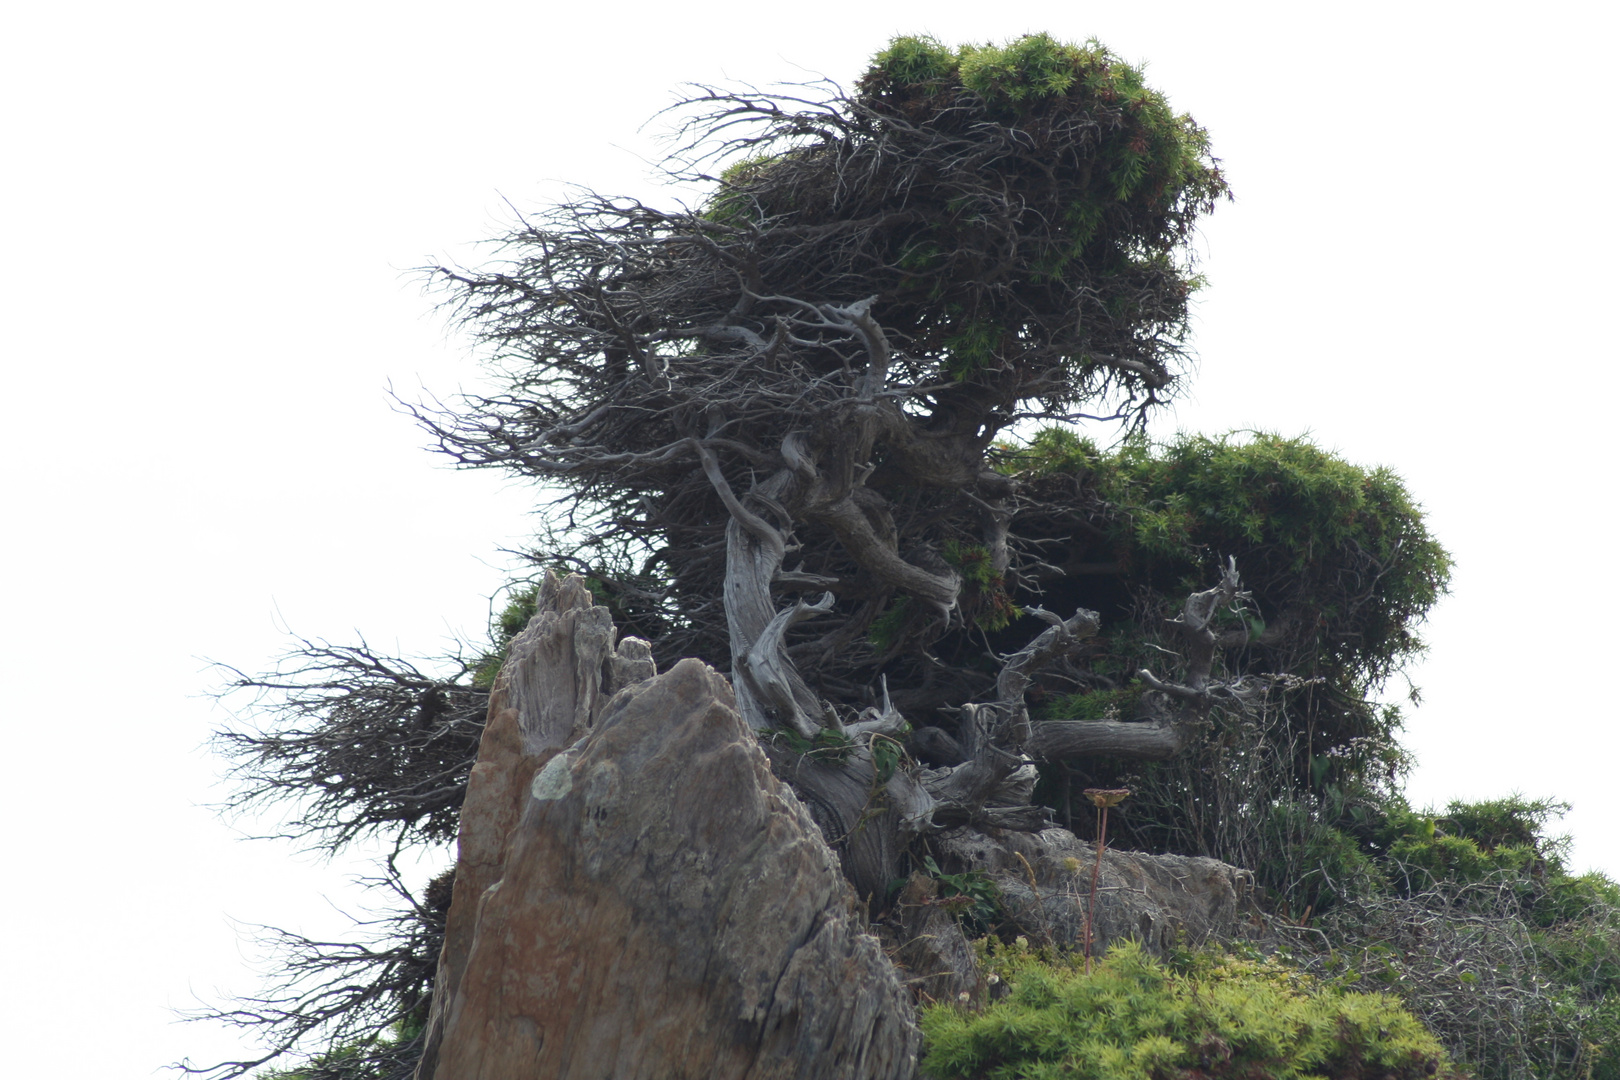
(638, 897)
(1045, 882)
(559, 673)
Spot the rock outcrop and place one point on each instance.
(638, 897)
(1159, 900)
(559, 673)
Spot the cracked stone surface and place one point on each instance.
(638, 898)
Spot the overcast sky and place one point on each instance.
(210, 212)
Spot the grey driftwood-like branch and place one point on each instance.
(1176, 710)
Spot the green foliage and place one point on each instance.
(1568, 899)
(731, 204)
(917, 61)
(887, 753)
(1098, 183)
(1511, 822)
(887, 628)
(1150, 149)
(1454, 860)
(828, 745)
(832, 745)
(503, 628)
(520, 608)
(1345, 543)
(1316, 537)
(1473, 920)
(980, 896)
(1311, 863)
(1031, 68)
(973, 347)
(1501, 839)
(984, 596)
(1207, 1015)
(1340, 570)
(1583, 953)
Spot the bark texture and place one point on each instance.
(1054, 740)
(649, 902)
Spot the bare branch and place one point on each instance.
(345, 992)
(354, 743)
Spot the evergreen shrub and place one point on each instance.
(1204, 1014)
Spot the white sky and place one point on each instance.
(207, 210)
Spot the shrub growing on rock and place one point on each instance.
(1202, 1015)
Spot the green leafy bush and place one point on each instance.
(1340, 569)
(1208, 1015)
(1099, 183)
(1503, 840)
(972, 894)
(1311, 532)
(1146, 151)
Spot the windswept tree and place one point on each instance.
(775, 416)
(820, 430)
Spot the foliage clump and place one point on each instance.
(1205, 1014)
(1339, 569)
(1110, 183)
(507, 624)
(1337, 556)
(984, 600)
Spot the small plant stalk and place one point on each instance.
(1102, 799)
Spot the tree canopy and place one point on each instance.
(881, 284)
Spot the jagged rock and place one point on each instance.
(1045, 882)
(559, 673)
(649, 902)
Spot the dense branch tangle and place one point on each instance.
(785, 397)
(803, 375)
(357, 743)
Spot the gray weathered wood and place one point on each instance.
(1054, 740)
